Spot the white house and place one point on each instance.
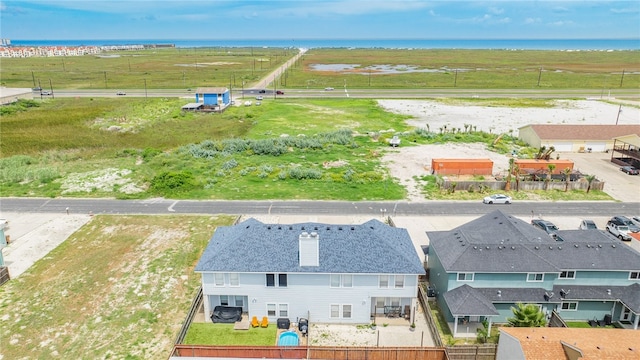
(322, 272)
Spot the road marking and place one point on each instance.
(170, 208)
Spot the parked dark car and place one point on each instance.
(279, 92)
(626, 221)
(262, 91)
(629, 170)
(547, 226)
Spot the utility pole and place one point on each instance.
(145, 88)
(63, 67)
(129, 65)
(51, 87)
(455, 79)
(539, 75)
(622, 78)
(619, 111)
(105, 79)
(34, 79)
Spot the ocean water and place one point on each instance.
(523, 44)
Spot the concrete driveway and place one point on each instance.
(618, 185)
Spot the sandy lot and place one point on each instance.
(406, 162)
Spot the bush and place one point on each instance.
(172, 181)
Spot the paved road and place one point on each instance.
(319, 208)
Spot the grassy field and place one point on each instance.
(471, 69)
(176, 68)
(182, 68)
(329, 149)
(118, 288)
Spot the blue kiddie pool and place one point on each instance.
(288, 338)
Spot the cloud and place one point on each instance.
(496, 11)
(625, 10)
(532, 20)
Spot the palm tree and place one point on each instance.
(567, 177)
(590, 179)
(527, 315)
(516, 173)
(507, 185)
(550, 167)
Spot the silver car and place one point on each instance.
(497, 199)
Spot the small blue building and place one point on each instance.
(213, 96)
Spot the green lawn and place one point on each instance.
(224, 335)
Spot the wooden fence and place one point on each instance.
(303, 352)
(195, 305)
(522, 186)
(424, 301)
(4, 274)
(472, 352)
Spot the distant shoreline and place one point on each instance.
(519, 44)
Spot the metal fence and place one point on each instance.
(4, 274)
(193, 310)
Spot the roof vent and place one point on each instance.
(314, 234)
(600, 246)
(279, 227)
(537, 247)
(487, 247)
(550, 247)
(608, 291)
(589, 245)
(513, 248)
(499, 292)
(290, 227)
(613, 245)
(559, 247)
(328, 228)
(339, 227)
(353, 228)
(575, 245)
(475, 248)
(269, 227)
(315, 228)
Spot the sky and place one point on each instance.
(312, 19)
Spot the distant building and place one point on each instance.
(575, 138)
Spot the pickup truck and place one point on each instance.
(620, 231)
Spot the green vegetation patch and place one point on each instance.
(117, 288)
(225, 335)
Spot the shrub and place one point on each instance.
(172, 181)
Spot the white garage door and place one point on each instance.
(563, 146)
(596, 146)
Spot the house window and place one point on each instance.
(465, 276)
(380, 303)
(567, 275)
(218, 279)
(570, 306)
(335, 311)
(634, 275)
(346, 311)
(271, 310)
(224, 300)
(234, 279)
(383, 281)
(239, 301)
(399, 283)
(395, 301)
(282, 280)
(341, 281)
(535, 277)
(283, 310)
(271, 280)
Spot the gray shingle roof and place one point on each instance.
(497, 242)
(629, 295)
(465, 300)
(524, 295)
(252, 246)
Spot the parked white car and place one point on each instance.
(619, 230)
(497, 199)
